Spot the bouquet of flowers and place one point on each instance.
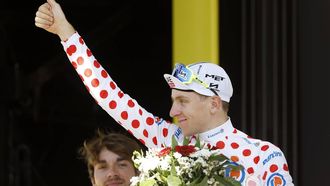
(183, 165)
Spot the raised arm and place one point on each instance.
(51, 18)
(148, 128)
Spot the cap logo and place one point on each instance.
(215, 77)
(170, 82)
(183, 74)
(212, 85)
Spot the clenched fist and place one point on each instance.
(51, 18)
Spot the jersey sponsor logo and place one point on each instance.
(177, 133)
(238, 175)
(214, 134)
(247, 141)
(271, 156)
(276, 179)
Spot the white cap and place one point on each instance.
(211, 74)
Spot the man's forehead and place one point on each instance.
(183, 93)
(107, 155)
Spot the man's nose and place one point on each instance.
(174, 110)
(112, 171)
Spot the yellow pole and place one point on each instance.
(195, 31)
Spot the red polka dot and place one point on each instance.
(129, 131)
(135, 124)
(104, 94)
(234, 158)
(264, 148)
(88, 72)
(104, 74)
(150, 121)
(81, 41)
(220, 145)
(250, 170)
(124, 115)
(89, 53)
(74, 64)
(234, 145)
(246, 152)
(96, 64)
(140, 112)
(285, 167)
(145, 133)
(265, 175)
(130, 103)
(165, 132)
(80, 60)
(120, 94)
(154, 139)
(71, 49)
(256, 159)
(235, 131)
(95, 82)
(112, 85)
(142, 141)
(273, 168)
(113, 105)
(226, 137)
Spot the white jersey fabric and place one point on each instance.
(263, 162)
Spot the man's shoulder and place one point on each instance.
(254, 143)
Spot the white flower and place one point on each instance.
(166, 163)
(184, 164)
(177, 155)
(135, 180)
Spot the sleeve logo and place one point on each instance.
(276, 179)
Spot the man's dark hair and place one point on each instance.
(117, 143)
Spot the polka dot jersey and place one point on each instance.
(264, 163)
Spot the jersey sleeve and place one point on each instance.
(274, 168)
(149, 129)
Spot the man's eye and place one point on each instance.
(123, 164)
(182, 101)
(100, 166)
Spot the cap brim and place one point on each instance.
(175, 83)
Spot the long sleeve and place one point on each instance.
(149, 129)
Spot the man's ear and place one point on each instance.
(216, 104)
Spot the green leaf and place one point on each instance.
(148, 182)
(198, 142)
(199, 182)
(173, 171)
(185, 141)
(227, 181)
(218, 157)
(173, 181)
(174, 142)
(203, 182)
